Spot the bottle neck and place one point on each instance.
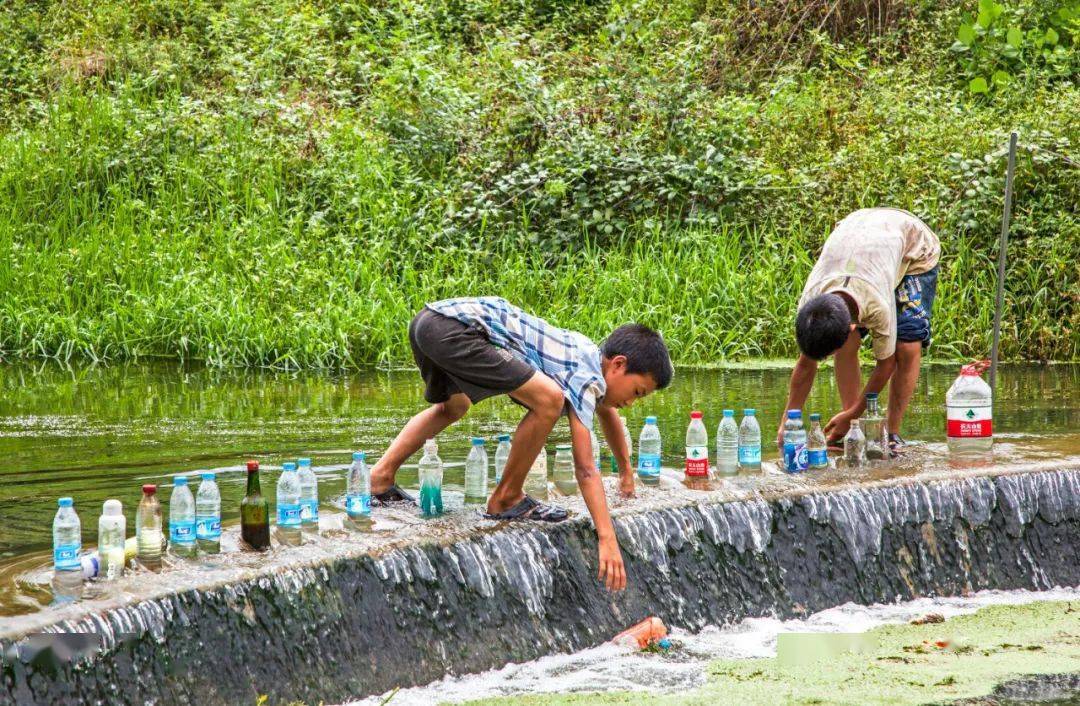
(871, 406)
(253, 484)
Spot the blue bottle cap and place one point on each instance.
(504, 437)
(650, 420)
(729, 413)
(871, 395)
(64, 502)
(664, 643)
(288, 466)
(358, 455)
(749, 412)
(304, 461)
(207, 475)
(179, 480)
(815, 417)
(794, 414)
(477, 441)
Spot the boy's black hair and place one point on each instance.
(823, 325)
(645, 352)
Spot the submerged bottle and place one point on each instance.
(431, 476)
(629, 446)
(502, 452)
(358, 492)
(148, 529)
(476, 473)
(208, 515)
(750, 442)
(254, 512)
(649, 452)
(67, 537)
(697, 448)
(289, 514)
(795, 459)
(563, 470)
(727, 445)
(182, 518)
(309, 495)
(855, 445)
(112, 528)
(817, 452)
(873, 425)
(969, 413)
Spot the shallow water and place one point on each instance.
(96, 433)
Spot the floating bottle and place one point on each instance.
(148, 529)
(649, 452)
(254, 512)
(309, 495)
(727, 444)
(855, 445)
(431, 477)
(208, 514)
(817, 451)
(358, 492)
(969, 413)
(288, 502)
(502, 452)
(795, 459)
(563, 470)
(873, 425)
(750, 443)
(182, 519)
(476, 473)
(67, 538)
(112, 530)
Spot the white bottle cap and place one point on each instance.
(112, 507)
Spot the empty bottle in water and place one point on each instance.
(873, 426)
(817, 452)
(750, 443)
(855, 445)
(563, 470)
(795, 458)
(112, 528)
(309, 495)
(649, 452)
(67, 537)
(431, 477)
(289, 506)
(148, 529)
(358, 492)
(182, 518)
(502, 452)
(476, 473)
(727, 444)
(969, 413)
(208, 514)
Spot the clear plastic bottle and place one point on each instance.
(476, 473)
(67, 538)
(795, 459)
(750, 443)
(969, 413)
(855, 445)
(536, 482)
(697, 448)
(727, 444)
(873, 425)
(431, 477)
(208, 514)
(112, 528)
(182, 519)
(629, 446)
(595, 442)
(358, 492)
(502, 452)
(563, 470)
(148, 530)
(649, 452)
(817, 451)
(289, 506)
(309, 495)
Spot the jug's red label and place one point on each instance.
(969, 422)
(697, 461)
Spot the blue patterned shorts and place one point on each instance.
(914, 305)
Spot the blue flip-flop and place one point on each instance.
(531, 509)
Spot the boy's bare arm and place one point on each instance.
(611, 424)
(612, 571)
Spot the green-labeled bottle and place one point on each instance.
(254, 512)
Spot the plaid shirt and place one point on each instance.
(567, 357)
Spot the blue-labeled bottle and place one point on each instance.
(182, 519)
(358, 493)
(649, 453)
(749, 443)
(289, 513)
(795, 459)
(309, 494)
(67, 537)
(816, 449)
(208, 515)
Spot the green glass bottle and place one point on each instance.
(254, 513)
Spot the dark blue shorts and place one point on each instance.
(914, 305)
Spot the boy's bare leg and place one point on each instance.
(902, 385)
(419, 429)
(544, 398)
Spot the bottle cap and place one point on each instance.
(358, 456)
(562, 447)
(252, 466)
(304, 461)
(288, 466)
(208, 475)
(815, 417)
(749, 412)
(179, 480)
(650, 420)
(149, 489)
(504, 437)
(64, 502)
(695, 415)
(794, 414)
(112, 507)
(477, 441)
(729, 413)
(871, 395)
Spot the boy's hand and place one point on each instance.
(612, 571)
(627, 487)
(838, 426)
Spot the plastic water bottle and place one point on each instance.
(502, 452)
(358, 492)
(182, 518)
(855, 445)
(795, 459)
(536, 482)
(697, 448)
(67, 537)
(750, 442)
(476, 473)
(309, 495)
(649, 453)
(112, 528)
(595, 449)
(969, 413)
(208, 514)
(873, 424)
(289, 506)
(817, 452)
(629, 446)
(431, 476)
(727, 444)
(148, 534)
(563, 471)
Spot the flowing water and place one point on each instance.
(100, 432)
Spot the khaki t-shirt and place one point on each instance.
(866, 256)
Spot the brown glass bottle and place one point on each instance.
(254, 513)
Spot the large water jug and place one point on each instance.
(968, 410)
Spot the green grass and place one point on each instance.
(283, 183)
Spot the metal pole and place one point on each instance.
(1006, 216)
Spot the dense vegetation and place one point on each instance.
(283, 182)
